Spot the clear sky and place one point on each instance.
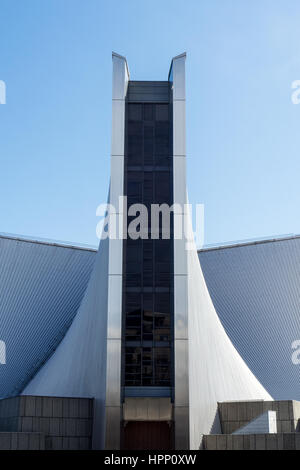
(243, 132)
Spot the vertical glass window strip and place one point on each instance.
(148, 264)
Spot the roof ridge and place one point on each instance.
(249, 242)
(40, 241)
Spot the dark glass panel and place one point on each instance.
(132, 301)
(163, 160)
(135, 112)
(162, 279)
(133, 361)
(162, 139)
(162, 251)
(162, 324)
(135, 143)
(135, 129)
(148, 279)
(133, 319)
(135, 177)
(148, 301)
(147, 370)
(134, 267)
(133, 356)
(162, 267)
(148, 250)
(133, 334)
(161, 320)
(162, 334)
(162, 187)
(148, 263)
(134, 258)
(162, 366)
(162, 302)
(148, 112)
(148, 144)
(134, 189)
(148, 189)
(147, 325)
(162, 112)
(133, 280)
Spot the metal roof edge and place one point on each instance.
(249, 243)
(174, 58)
(115, 54)
(61, 244)
(39, 241)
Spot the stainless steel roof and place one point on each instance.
(255, 288)
(41, 286)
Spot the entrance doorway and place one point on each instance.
(147, 435)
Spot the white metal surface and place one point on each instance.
(255, 290)
(179, 77)
(116, 181)
(78, 366)
(179, 138)
(179, 169)
(114, 307)
(41, 288)
(181, 368)
(118, 130)
(180, 263)
(216, 370)
(114, 327)
(181, 302)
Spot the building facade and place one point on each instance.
(144, 340)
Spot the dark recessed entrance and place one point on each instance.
(147, 435)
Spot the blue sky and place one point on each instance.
(243, 133)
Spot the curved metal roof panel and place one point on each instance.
(256, 292)
(41, 287)
(255, 289)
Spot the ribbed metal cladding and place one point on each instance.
(41, 287)
(256, 292)
(255, 289)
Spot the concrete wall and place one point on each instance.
(22, 441)
(46, 422)
(237, 414)
(286, 441)
(265, 423)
